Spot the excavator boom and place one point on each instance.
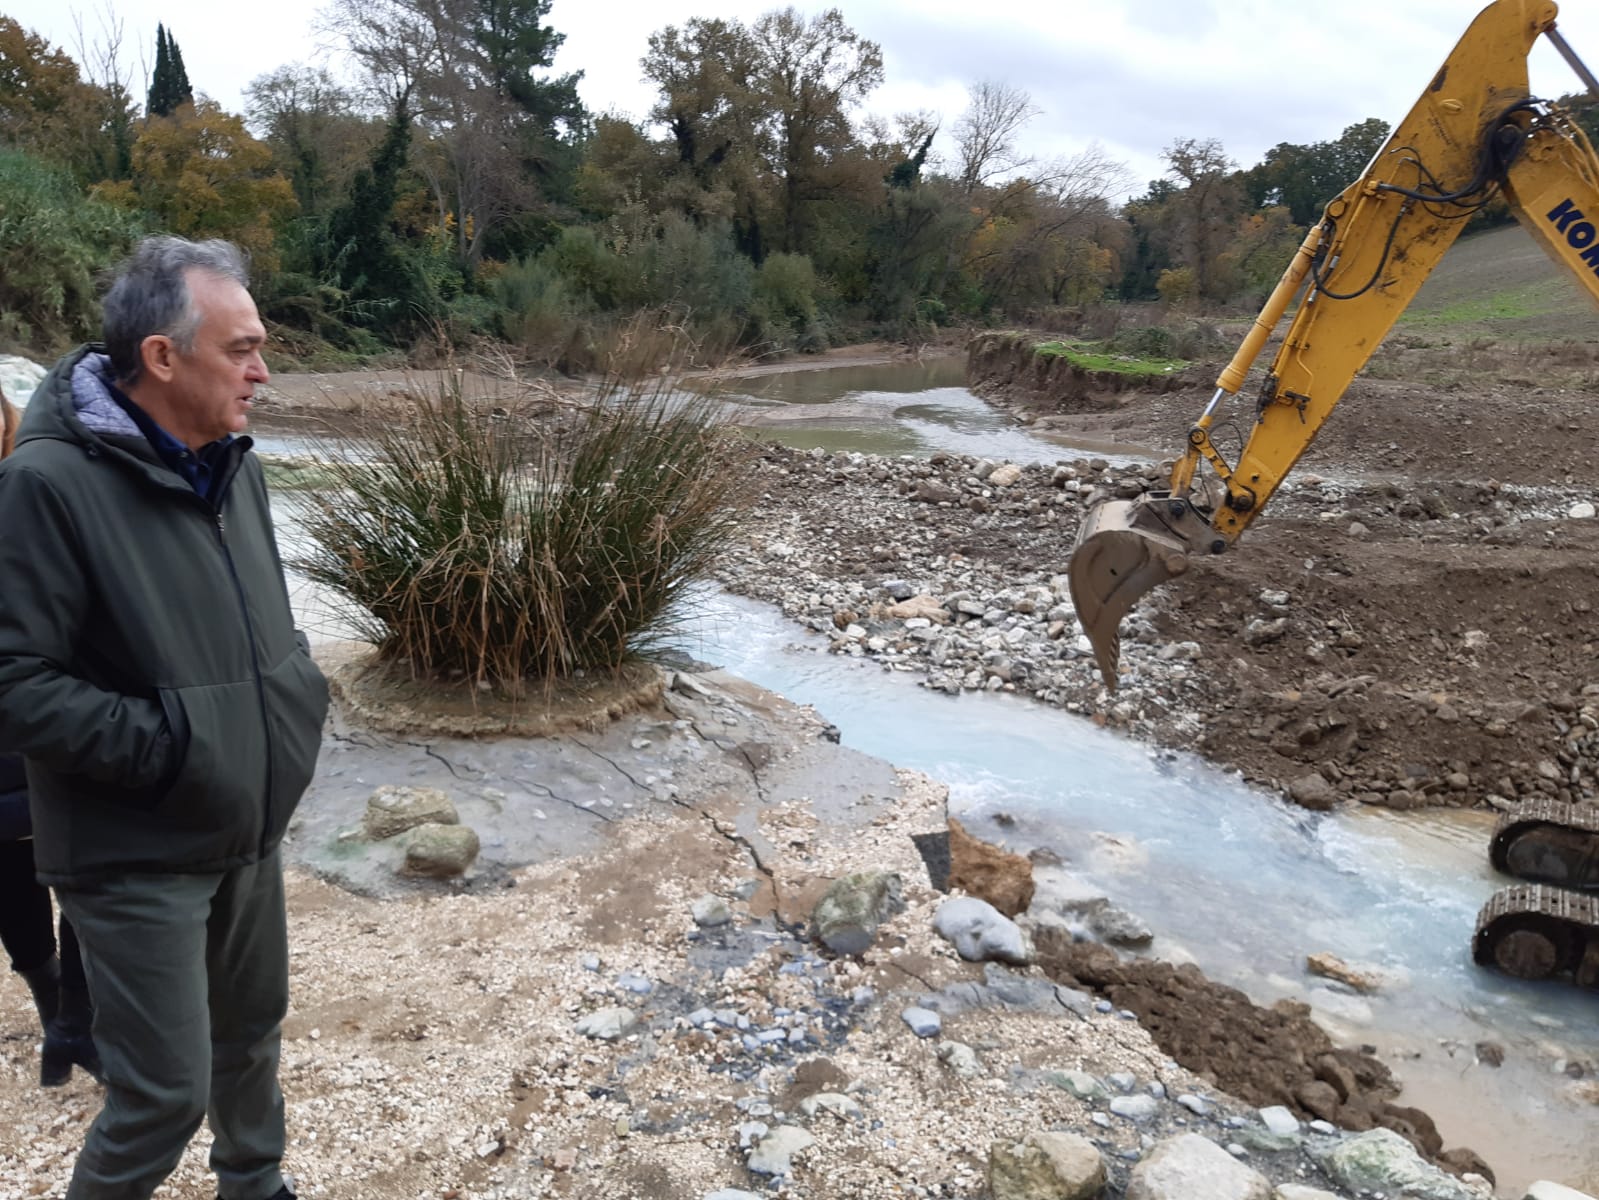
(1475, 131)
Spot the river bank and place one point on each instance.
(623, 998)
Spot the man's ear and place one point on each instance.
(156, 353)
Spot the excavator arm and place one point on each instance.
(1475, 131)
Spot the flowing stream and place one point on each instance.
(1229, 877)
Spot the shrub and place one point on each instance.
(585, 265)
(1177, 285)
(695, 269)
(785, 297)
(1177, 340)
(54, 242)
(524, 549)
(540, 313)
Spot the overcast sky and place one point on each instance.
(1130, 75)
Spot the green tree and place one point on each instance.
(515, 47)
(169, 82)
(1304, 178)
(360, 253)
(1198, 220)
(1262, 246)
(811, 74)
(54, 242)
(500, 137)
(705, 74)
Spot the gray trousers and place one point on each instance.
(190, 981)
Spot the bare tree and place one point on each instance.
(313, 125)
(985, 134)
(100, 59)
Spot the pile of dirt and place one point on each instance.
(1413, 619)
(1265, 1056)
(1405, 669)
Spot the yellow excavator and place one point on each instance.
(1476, 132)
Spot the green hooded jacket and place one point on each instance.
(150, 672)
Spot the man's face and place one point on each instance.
(212, 385)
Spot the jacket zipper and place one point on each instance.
(255, 658)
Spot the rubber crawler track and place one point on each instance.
(1568, 920)
(1537, 814)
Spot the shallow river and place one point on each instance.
(1232, 878)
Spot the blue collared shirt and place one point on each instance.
(195, 466)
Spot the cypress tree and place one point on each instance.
(169, 83)
(181, 91)
(155, 103)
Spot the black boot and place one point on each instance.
(68, 1042)
(44, 981)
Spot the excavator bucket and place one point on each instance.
(1125, 548)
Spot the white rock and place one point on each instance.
(839, 1105)
(980, 933)
(961, 1059)
(1191, 1167)
(18, 377)
(1580, 511)
(1279, 1120)
(773, 1154)
(1544, 1190)
(608, 1024)
(710, 912)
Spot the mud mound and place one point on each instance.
(1264, 1056)
(1403, 671)
(1007, 367)
(385, 697)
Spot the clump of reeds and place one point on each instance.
(520, 547)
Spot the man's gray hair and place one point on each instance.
(150, 295)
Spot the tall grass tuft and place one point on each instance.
(522, 548)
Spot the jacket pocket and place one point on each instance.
(220, 787)
(297, 706)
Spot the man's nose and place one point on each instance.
(258, 372)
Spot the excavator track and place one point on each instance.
(1536, 932)
(1547, 841)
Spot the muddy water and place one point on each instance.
(1230, 878)
(1237, 881)
(896, 408)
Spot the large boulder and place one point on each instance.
(980, 933)
(440, 851)
(1046, 1166)
(393, 809)
(1191, 1167)
(1382, 1161)
(847, 918)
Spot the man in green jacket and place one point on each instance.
(168, 711)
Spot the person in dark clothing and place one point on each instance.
(169, 713)
(52, 970)
(27, 920)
